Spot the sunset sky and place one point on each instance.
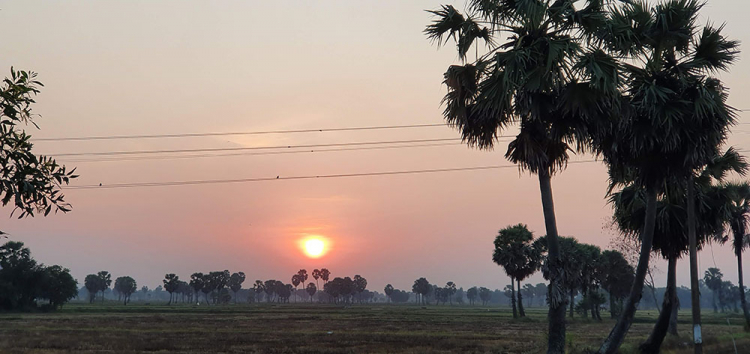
(167, 67)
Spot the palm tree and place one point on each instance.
(535, 79)
(740, 214)
(671, 120)
(316, 275)
(295, 282)
(388, 291)
(514, 252)
(713, 279)
(311, 290)
(670, 234)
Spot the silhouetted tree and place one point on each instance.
(171, 282)
(235, 283)
(670, 120)
(515, 253)
(92, 286)
(530, 77)
(295, 282)
(311, 289)
(316, 275)
(125, 286)
(388, 292)
(197, 281)
(57, 285)
(421, 287)
(713, 279)
(105, 280)
(220, 280)
(472, 294)
(269, 287)
(450, 290)
(209, 285)
(485, 295)
(739, 214)
(23, 282)
(360, 284)
(302, 276)
(259, 288)
(617, 278)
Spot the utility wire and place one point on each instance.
(193, 135)
(144, 152)
(277, 178)
(171, 157)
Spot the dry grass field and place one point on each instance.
(298, 328)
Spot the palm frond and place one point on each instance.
(448, 23)
(713, 51)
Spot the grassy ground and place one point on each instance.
(298, 328)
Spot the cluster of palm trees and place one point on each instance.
(628, 81)
(587, 269)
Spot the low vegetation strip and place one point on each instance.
(322, 328)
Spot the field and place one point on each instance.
(300, 328)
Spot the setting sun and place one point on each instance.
(314, 247)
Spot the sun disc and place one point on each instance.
(314, 247)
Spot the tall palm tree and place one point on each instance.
(672, 118)
(537, 78)
(670, 234)
(739, 209)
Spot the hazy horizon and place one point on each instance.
(140, 67)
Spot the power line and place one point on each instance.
(279, 178)
(170, 157)
(145, 152)
(194, 135)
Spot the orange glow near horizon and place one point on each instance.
(314, 246)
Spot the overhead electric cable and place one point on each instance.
(170, 157)
(145, 152)
(277, 178)
(193, 135)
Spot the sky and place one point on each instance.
(169, 67)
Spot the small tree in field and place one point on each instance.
(311, 289)
(388, 291)
(171, 283)
(235, 283)
(126, 286)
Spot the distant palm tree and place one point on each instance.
(388, 291)
(513, 252)
(714, 279)
(316, 276)
(302, 277)
(537, 78)
(311, 290)
(295, 282)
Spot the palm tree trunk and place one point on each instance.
(556, 315)
(572, 302)
(521, 313)
(673, 319)
(695, 296)
(617, 335)
(513, 296)
(611, 306)
(655, 339)
(742, 287)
